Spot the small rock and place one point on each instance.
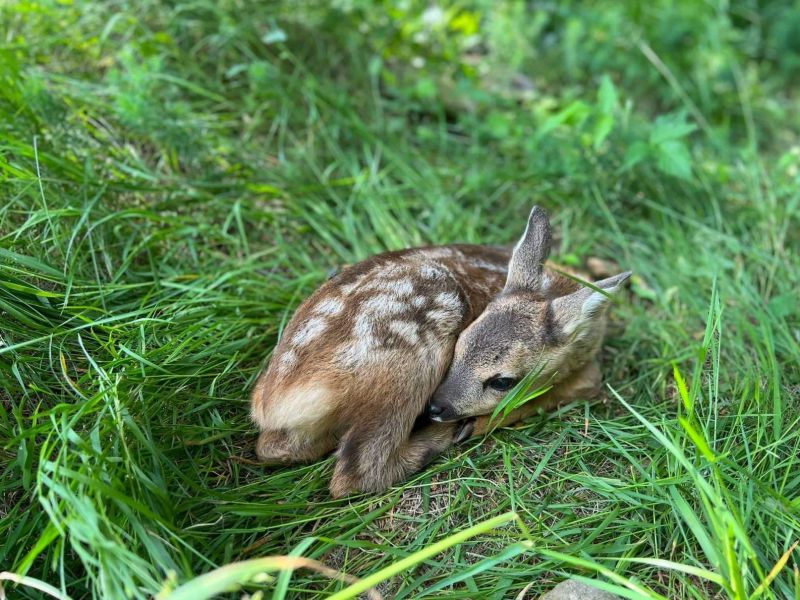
(575, 590)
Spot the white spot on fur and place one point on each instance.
(329, 306)
(349, 288)
(287, 360)
(438, 252)
(443, 316)
(407, 330)
(356, 354)
(361, 348)
(363, 326)
(489, 266)
(382, 305)
(449, 300)
(419, 301)
(310, 329)
(401, 287)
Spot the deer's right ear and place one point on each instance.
(582, 311)
(525, 270)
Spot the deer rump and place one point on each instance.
(362, 356)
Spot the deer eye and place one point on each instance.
(501, 384)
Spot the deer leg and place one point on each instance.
(371, 460)
(281, 447)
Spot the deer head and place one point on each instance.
(523, 330)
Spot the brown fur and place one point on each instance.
(369, 404)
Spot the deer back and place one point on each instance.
(373, 327)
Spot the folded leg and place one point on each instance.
(281, 447)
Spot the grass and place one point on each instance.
(176, 177)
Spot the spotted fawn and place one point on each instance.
(397, 357)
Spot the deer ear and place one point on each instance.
(582, 311)
(527, 260)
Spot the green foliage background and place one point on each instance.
(177, 176)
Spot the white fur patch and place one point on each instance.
(329, 306)
(286, 361)
(449, 300)
(363, 327)
(361, 348)
(310, 329)
(407, 330)
(441, 252)
(349, 288)
(443, 316)
(300, 407)
(382, 305)
(489, 266)
(419, 301)
(401, 287)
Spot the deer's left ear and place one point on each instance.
(583, 310)
(525, 270)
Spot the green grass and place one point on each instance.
(176, 177)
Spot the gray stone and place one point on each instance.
(575, 590)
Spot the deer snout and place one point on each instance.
(435, 410)
(440, 408)
(441, 411)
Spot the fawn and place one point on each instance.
(358, 364)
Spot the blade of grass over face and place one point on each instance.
(521, 394)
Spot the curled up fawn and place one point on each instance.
(442, 331)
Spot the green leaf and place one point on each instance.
(607, 96)
(698, 439)
(602, 128)
(425, 88)
(33, 583)
(688, 404)
(673, 158)
(670, 127)
(274, 36)
(673, 566)
(575, 113)
(606, 105)
(498, 124)
(636, 153)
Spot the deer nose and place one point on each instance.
(435, 410)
